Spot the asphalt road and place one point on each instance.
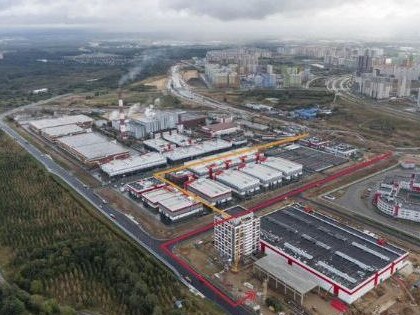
(122, 221)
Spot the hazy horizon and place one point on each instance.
(220, 20)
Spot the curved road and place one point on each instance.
(122, 221)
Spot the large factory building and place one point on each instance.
(171, 204)
(341, 260)
(241, 183)
(92, 148)
(268, 177)
(133, 164)
(289, 169)
(213, 192)
(79, 120)
(151, 121)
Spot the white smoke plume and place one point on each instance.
(114, 115)
(148, 58)
(136, 108)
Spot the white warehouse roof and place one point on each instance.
(158, 195)
(263, 173)
(92, 145)
(286, 166)
(64, 130)
(157, 144)
(177, 202)
(238, 180)
(134, 163)
(61, 121)
(197, 149)
(178, 139)
(210, 187)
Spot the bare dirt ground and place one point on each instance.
(159, 82)
(200, 254)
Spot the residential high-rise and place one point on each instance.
(236, 238)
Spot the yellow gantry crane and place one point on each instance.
(161, 175)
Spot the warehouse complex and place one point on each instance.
(213, 192)
(181, 154)
(79, 120)
(171, 204)
(290, 170)
(241, 183)
(268, 177)
(133, 164)
(343, 261)
(92, 148)
(399, 197)
(52, 133)
(137, 188)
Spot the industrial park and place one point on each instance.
(247, 172)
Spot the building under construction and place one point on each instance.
(343, 261)
(237, 238)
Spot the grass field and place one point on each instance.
(57, 251)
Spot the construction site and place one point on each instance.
(224, 198)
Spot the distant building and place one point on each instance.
(151, 121)
(236, 238)
(220, 129)
(399, 197)
(222, 76)
(383, 87)
(40, 91)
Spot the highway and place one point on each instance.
(127, 225)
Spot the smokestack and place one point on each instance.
(123, 127)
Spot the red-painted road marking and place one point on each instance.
(166, 246)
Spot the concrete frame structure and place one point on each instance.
(236, 238)
(292, 280)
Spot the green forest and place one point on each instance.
(59, 256)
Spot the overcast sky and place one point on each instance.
(223, 19)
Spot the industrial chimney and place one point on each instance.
(123, 127)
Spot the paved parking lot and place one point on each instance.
(351, 200)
